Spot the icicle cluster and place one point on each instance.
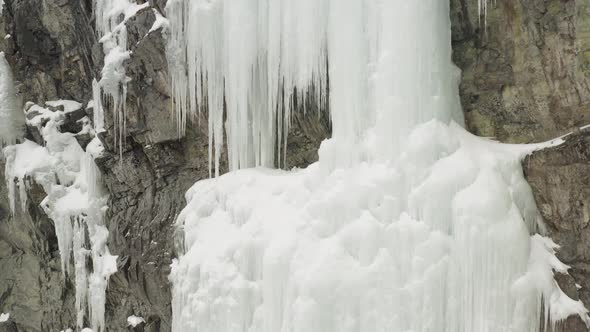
(483, 7)
(97, 109)
(11, 116)
(111, 16)
(75, 202)
(406, 223)
(253, 59)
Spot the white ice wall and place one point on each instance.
(11, 117)
(406, 223)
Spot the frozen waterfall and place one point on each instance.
(406, 223)
(11, 119)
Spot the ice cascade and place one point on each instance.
(11, 118)
(111, 17)
(406, 223)
(75, 202)
(252, 60)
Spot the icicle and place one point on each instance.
(104, 265)
(98, 111)
(80, 254)
(113, 84)
(11, 117)
(482, 8)
(247, 58)
(11, 194)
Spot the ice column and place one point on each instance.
(11, 117)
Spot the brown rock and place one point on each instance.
(526, 74)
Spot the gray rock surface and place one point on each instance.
(52, 48)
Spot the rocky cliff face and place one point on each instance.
(525, 72)
(50, 51)
(525, 79)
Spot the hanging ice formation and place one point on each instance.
(406, 223)
(483, 8)
(11, 118)
(111, 16)
(75, 202)
(253, 59)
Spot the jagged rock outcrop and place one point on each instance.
(560, 178)
(49, 49)
(51, 46)
(526, 73)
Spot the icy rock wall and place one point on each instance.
(406, 223)
(74, 200)
(526, 78)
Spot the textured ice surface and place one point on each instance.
(252, 58)
(111, 16)
(75, 202)
(11, 117)
(438, 240)
(406, 223)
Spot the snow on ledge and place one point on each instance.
(133, 320)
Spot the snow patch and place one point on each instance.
(68, 105)
(4, 317)
(160, 23)
(133, 321)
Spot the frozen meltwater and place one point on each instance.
(406, 223)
